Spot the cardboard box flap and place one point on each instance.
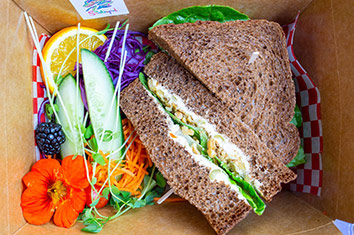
(55, 15)
(17, 145)
(287, 214)
(324, 45)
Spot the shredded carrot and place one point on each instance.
(130, 173)
(172, 135)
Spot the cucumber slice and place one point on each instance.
(75, 111)
(103, 115)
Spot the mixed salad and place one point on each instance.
(102, 159)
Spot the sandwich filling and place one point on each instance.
(201, 139)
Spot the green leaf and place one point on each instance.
(105, 193)
(139, 204)
(49, 110)
(148, 183)
(94, 180)
(93, 144)
(297, 119)
(115, 190)
(148, 57)
(114, 203)
(202, 13)
(149, 197)
(160, 180)
(299, 159)
(92, 228)
(92, 225)
(125, 194)
(99, 159)
(246, 189)
(143, 80)
(95, 202)
(88, 132)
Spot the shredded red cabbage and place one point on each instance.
(136, 53)
(41, 111)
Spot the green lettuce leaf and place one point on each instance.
(202, 13)
(297, 119)
(299, 159)
(246, 189)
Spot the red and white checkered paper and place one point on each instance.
(309, 178)
(39, 93)
(309, 175)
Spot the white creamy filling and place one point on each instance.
(240, 161)
(216, 173)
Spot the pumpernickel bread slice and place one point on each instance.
(189, 179)
(265, 167)
(262, 93)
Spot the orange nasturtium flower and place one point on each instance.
(54, 189)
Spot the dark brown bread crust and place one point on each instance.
(265, 167)
(262, 94)
(188, 178)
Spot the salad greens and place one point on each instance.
(297, 119)
(246, 189)
(122, 201)
(202, 13)
(300, 157)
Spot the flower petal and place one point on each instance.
(78, 199)
(65, 216)
(35, 179)
(49, 168)
(36, 205)
(75, 171)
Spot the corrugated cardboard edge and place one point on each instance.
(287, 214)
(4, 208)
(16, 145)
(60, 14)
(323, 44)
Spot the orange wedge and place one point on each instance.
(58, 47)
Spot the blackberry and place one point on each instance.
(49, 137)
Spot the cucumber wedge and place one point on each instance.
(105, 117)
(75, 112)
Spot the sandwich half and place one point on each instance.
(260, 93)
(206, 153)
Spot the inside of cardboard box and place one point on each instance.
(321, 43)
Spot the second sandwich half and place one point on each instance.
(205, 152)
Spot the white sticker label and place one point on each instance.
(93, 9)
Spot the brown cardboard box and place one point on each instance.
(323, 45)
